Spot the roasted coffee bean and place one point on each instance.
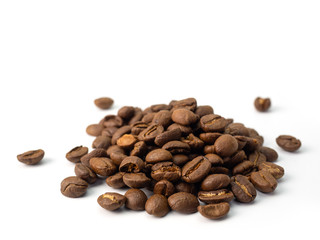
(252, 144)
(127, 141)
(237, 129)
(209, 149)
(73, 187)
(185, 130)
(138, 127)
(213, 123)
(31, 157)
(102, 166)
(188, 103)
(214, 159)
(194, 142)
(150, 133)
(136, 180)
(180, 159)
(104, 102)
(117, 157)
(243, 168)
(85, 173)
(196, 170)
(262, 104)
(157, 205)
(214, 211)
(243, 189)
(148, 117)
(242, 141)
(270, 153)
(126, 112)
(139, 149)
(158, 155)
(116, 180)
(183, 202)
(136, 199)
(115, 148)
(131, 164)
(176, 147)
(215, 182)
(101, 142)
(288, 143)
(209, 137)
(235, 159)
(263, 181)
(111, 121)
(217, 196)
(98, 152)
(166, 170)
(219, 170)
(167, 136)
(119, 133)
(186, 187)
(94, 130)
(159, 107)
(204, 110)
(137, 116)
(226, 145)
(162, 118)
(256, 158)
(76, 153)
(109, 131)
(275, 170)
(184, 117)
(111, 200)
(164, 187)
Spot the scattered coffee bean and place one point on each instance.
(262, 104)
(136, 199)
(76, 153)
(214, 211)
(157, 205)
(288, 143)
(85, 173)
(196, 170)
(270, 153)
(102, 166)
(183, 202)
(226, 145)
(111, 200)
(164, 187)
(215, 182)
(31, 157)
(275, 170)
(136, 180)
(104, 102)
(217, 196)
(116, 180)
(243, 189)
(73, 187)
(263, 181)
(94, 130)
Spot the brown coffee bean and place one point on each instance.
(235, 159)
(31, 157)
(217, 196)
(137, 116)
(237, 129)
(167, 136)
(185, 130)
(102, 166)
(131, 164)
(148, 117)
(94, 130)
(213, 123)
(226, 145)
(243, 168)
(166, 170)
(111, 121)
(215, 182)
(117, 157)
(150, 133)
(111, 200)
(242, 189)
(126, 112)
(256, 158)
(104, 102)
(184, 117)
(158, 155)
(195, 143)
(73, 187)
(127, 141)
(276, 171)
(209, 137)
(136, 180)
(119, 133)
(162, 118)
(183, 202)
(182, 186)
(196, 170)
(263, 181)
(136, 199)
(252, 144)
(109, 131)
(101, 142)
(214, 211)
(209, 149)
(219, 170)
(188, 103)
(288, 143)
(76, 153)
(98, 152)
(270, 153)
(157, 205)
(138, 127)
(262, 104)
(116, 181)
(180, 159)
(114, 148)
(139, 149)
(85, 173)
(204, 110)
(159, 107)
(176, 147)
(164, 187)
(214, 159)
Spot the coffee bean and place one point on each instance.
(148, 117)
(186, 187)
(109, 131)
(166, 170)
(204, 110)
(162, 118)
(117, 157)
(288, 143)
(126, 112)
(85, 173)
(243, 168)
(237, 129)
(164, 187)
(242, 189)
(180, 159)
(185, 130)
(216, 196)
(136, 199)
(116, 180)
(150, 133)
(159, 107)
(183, 202)
(188, 103)
(213, 123)
(127, 141)
(131, 164)
(76, 153)
(195, 143)
(102, 166)
(235, 159)
(184, 117)
(138, 127)
(114, 149)
(73, 187)
(214, 211)
(214, 159)
(262, 104)
(158, 155)
(31, 157)
(270, 153)
(119, 133)
(139, 149)
(256, 158)
(209, 137)
(252, 144)
(98, 152)
(111, 200)
(157, 205)
(219, 170)
(101, 142)
(263, 181)
(226, 145)
(94, 130)
(136, 180)
(137, 116)
(209, 149)
(104, 102)
(167, 136)
(196, 170)
(215, 182)
(176, 147)
(111, 121)
(275, 170)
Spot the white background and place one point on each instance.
(56, 57)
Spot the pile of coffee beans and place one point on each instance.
(184, 153)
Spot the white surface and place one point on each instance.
(56, 57)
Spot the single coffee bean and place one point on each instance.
(226, 145)
(213, 123)
(256, 158)
(148, 117)
(288, 143)
(131, 164)
(111, 121)
(109, 131)
(73, 187)
(119, 133)
(219, 170)
(126, 112)
(114, 148)
(183, 202)
(76, 153)
(85, 173)
(111, 200)
(136, 180)
(94, 130)
(127, 141)
(215, 182)
(159, 107)
(177, 147)
(102, 166)
(116, 180)
(209, 149)
(136, 199)
(166, 170)
(214, 159)
(195, 143)
(157, 205)
(252, 144)
(263, 181)
(101, 142)
(235, 159)
(137, 116)
(262, 104)
(204, 110)
(184, 117)
(180, 159)
(98, 152)
(139, 149)
(217, 196)
(185, 130)
(276, 171)
(214, 211)
(31, 157)
(188, 103)
(182, 186)
(158, 155)
(104, 102)
(138, 127)
(237, 129)
(209, 137)
(117, 157)
(164, 187)
(242, 141)
(196, 170)
(167, 136)
(242, 189)
(162, 118)
(270, 153)
(150, 133)
(243, 168)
